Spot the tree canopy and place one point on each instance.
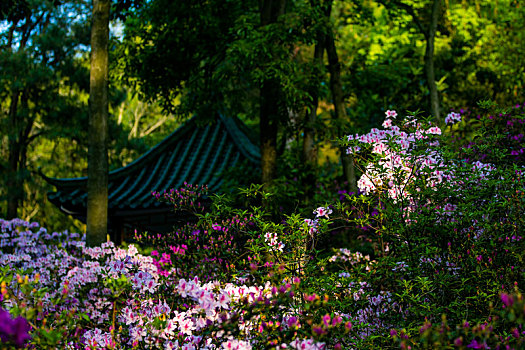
(270, 62)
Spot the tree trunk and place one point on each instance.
(269, 125)
(429, 62)
(336, 86)
(309, 149)
(20, 122)
(97, 205)
(430, 35)
(270, 110)
(18, 142)
(13, 178)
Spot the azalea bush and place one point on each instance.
(448, 235)
(246, 246)
(491, 130)
(108, 297)
(502, 330)
(435, 259)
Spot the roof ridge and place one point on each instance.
(168, 140)
(245, 144)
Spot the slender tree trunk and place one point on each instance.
(429, 62)
(430, 35)
(13, 178)
(309, 149)
(18, 142)
(269, 120)
(270, 111)
(336, 86)
(97, 205)
(19, 131)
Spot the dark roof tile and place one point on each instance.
(190, 154)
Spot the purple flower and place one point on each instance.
(6, 325)
(21, 331)
(16, 331)
(319, 330)
(478, 345)
(326, 319)
(515, 333)
(507, 299)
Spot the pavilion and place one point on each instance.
(193, 153)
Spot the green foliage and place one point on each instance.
(42, 78)
(45, 62)
(383, 55)
(27, 299)
(503, 329)
(453, 263)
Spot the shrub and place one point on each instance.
(440, 245)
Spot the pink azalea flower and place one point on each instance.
(391, 114)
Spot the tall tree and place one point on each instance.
(336, 86)
(97, 206)
(425, 16)
(223, 56)
(272, 109)
(22, 21)
(328, 42)
(37, 66)
(309, 148)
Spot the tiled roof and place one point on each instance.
(191, 154)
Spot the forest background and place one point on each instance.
(304, 72)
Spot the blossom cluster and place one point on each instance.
(12, 330)
(313, 225)
(271, 240)
(394, 171)
(83, 279)
(345, 255)
(453, 118)
(189, 196)
(322, 212)
(401, 160)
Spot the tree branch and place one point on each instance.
(155, 126)
(29, 28)
(10, 35)
(409, 9)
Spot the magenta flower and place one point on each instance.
(478, 345)
(15, 331)
(319, 330)
(507, 299)
(336, 320)
(326, 320)
(292, 321)
(322, 211)
(391, 114)
(515, 333)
